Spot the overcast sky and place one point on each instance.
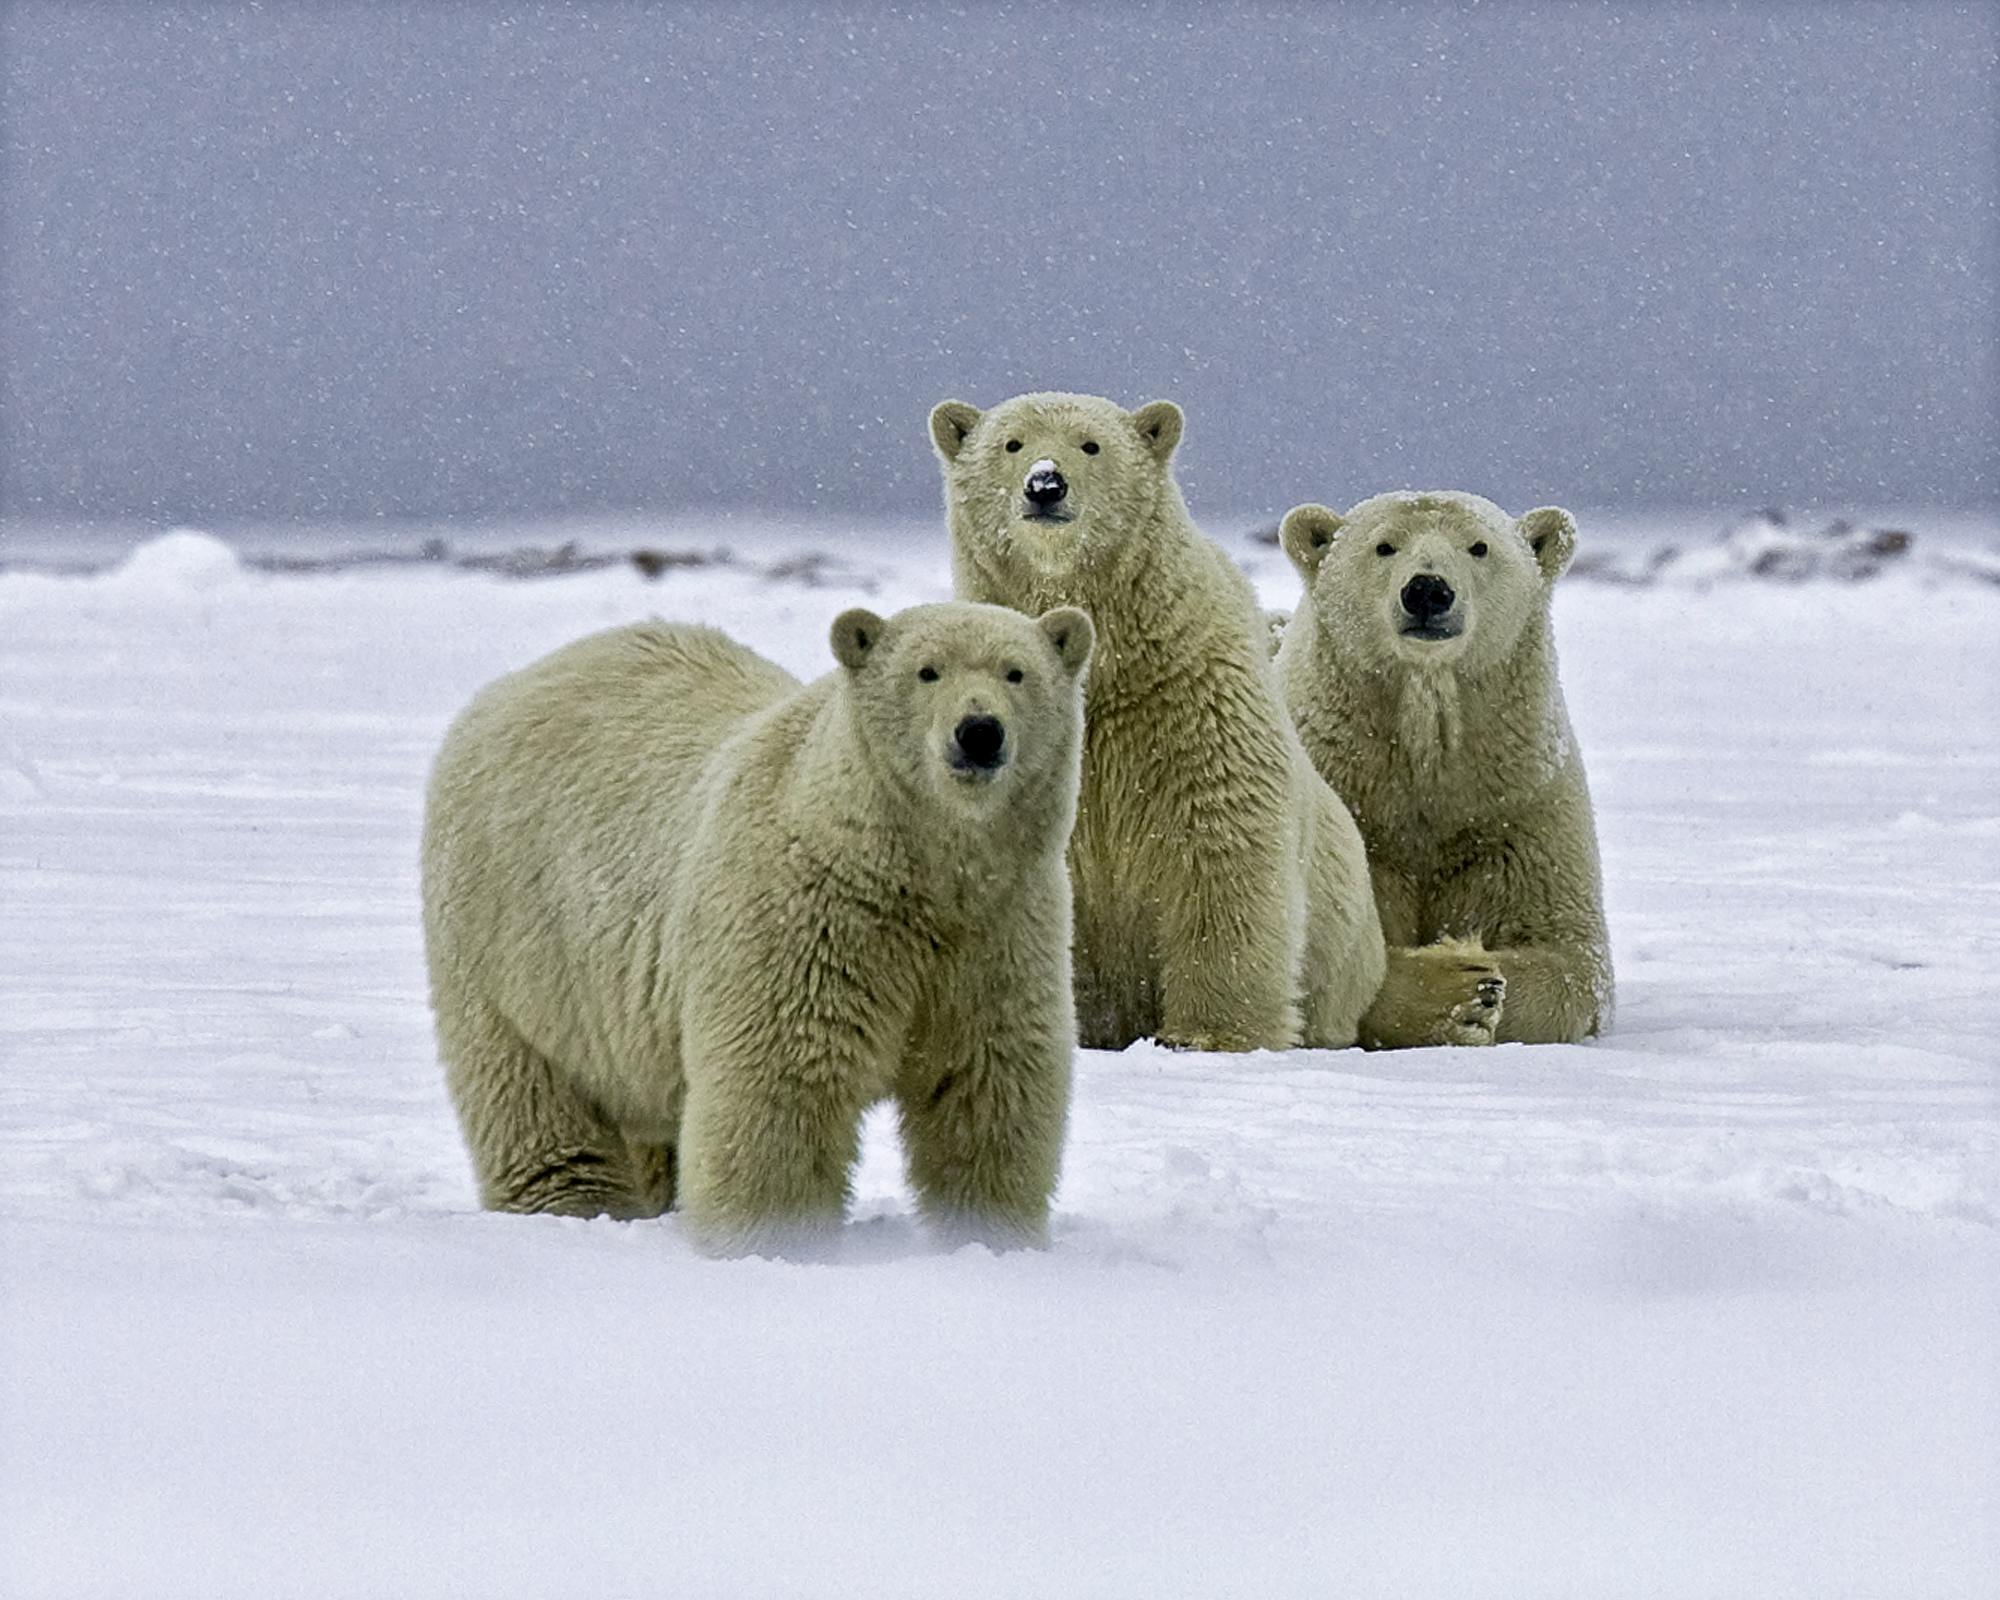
(338, 261)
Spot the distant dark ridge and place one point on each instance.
(813, 569)
(1766, 545)
(524, 561)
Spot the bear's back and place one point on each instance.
(608, 726)
(561, 802)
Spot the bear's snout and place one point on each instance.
(1427, 596)
(1046, 487)
(977, 742)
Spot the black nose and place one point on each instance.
(1046, 487)
(1426, 596)
(980, 739)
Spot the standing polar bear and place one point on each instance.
(1421, 670)
(687, 919)
(1222, 897)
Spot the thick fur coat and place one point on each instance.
(686, 919)
(1222, 897)
(1421, 671)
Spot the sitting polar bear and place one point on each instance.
(687, 919)
(1222, 897)
(1421, 671)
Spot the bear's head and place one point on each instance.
(971, 706)
(1057, 481)
(1428, 580)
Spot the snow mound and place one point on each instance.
(185, 559)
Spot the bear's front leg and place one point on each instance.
(983, 1097)
(1232, 932)
(769, 1137)
(785, 1039)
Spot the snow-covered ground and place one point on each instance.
(1708, 1308)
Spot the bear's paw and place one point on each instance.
(1448, 993)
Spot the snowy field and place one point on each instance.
(1710, 1307)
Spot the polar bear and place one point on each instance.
(1421, 671)
(686, 919)
(1222, 897)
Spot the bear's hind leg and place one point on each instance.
(537, 1145)
(1116, 993)
(654, 1174)
(1345, 957)
(1343, 973)
(1556, 994)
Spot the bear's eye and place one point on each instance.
(1015, 675)
(1479, 549)
(1013, 445)
(927, 675)
(1385, 548)
(1090, 447)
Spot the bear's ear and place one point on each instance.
(856, 633)
(1551, 534)
(1159, 423)
(1072, 633)
(1307, 533)
(951, 421)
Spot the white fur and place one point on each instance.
(686, 919)
(1457, 760)
(1222, 896)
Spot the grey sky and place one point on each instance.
(447, 260)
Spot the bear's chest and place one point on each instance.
(959, 896)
